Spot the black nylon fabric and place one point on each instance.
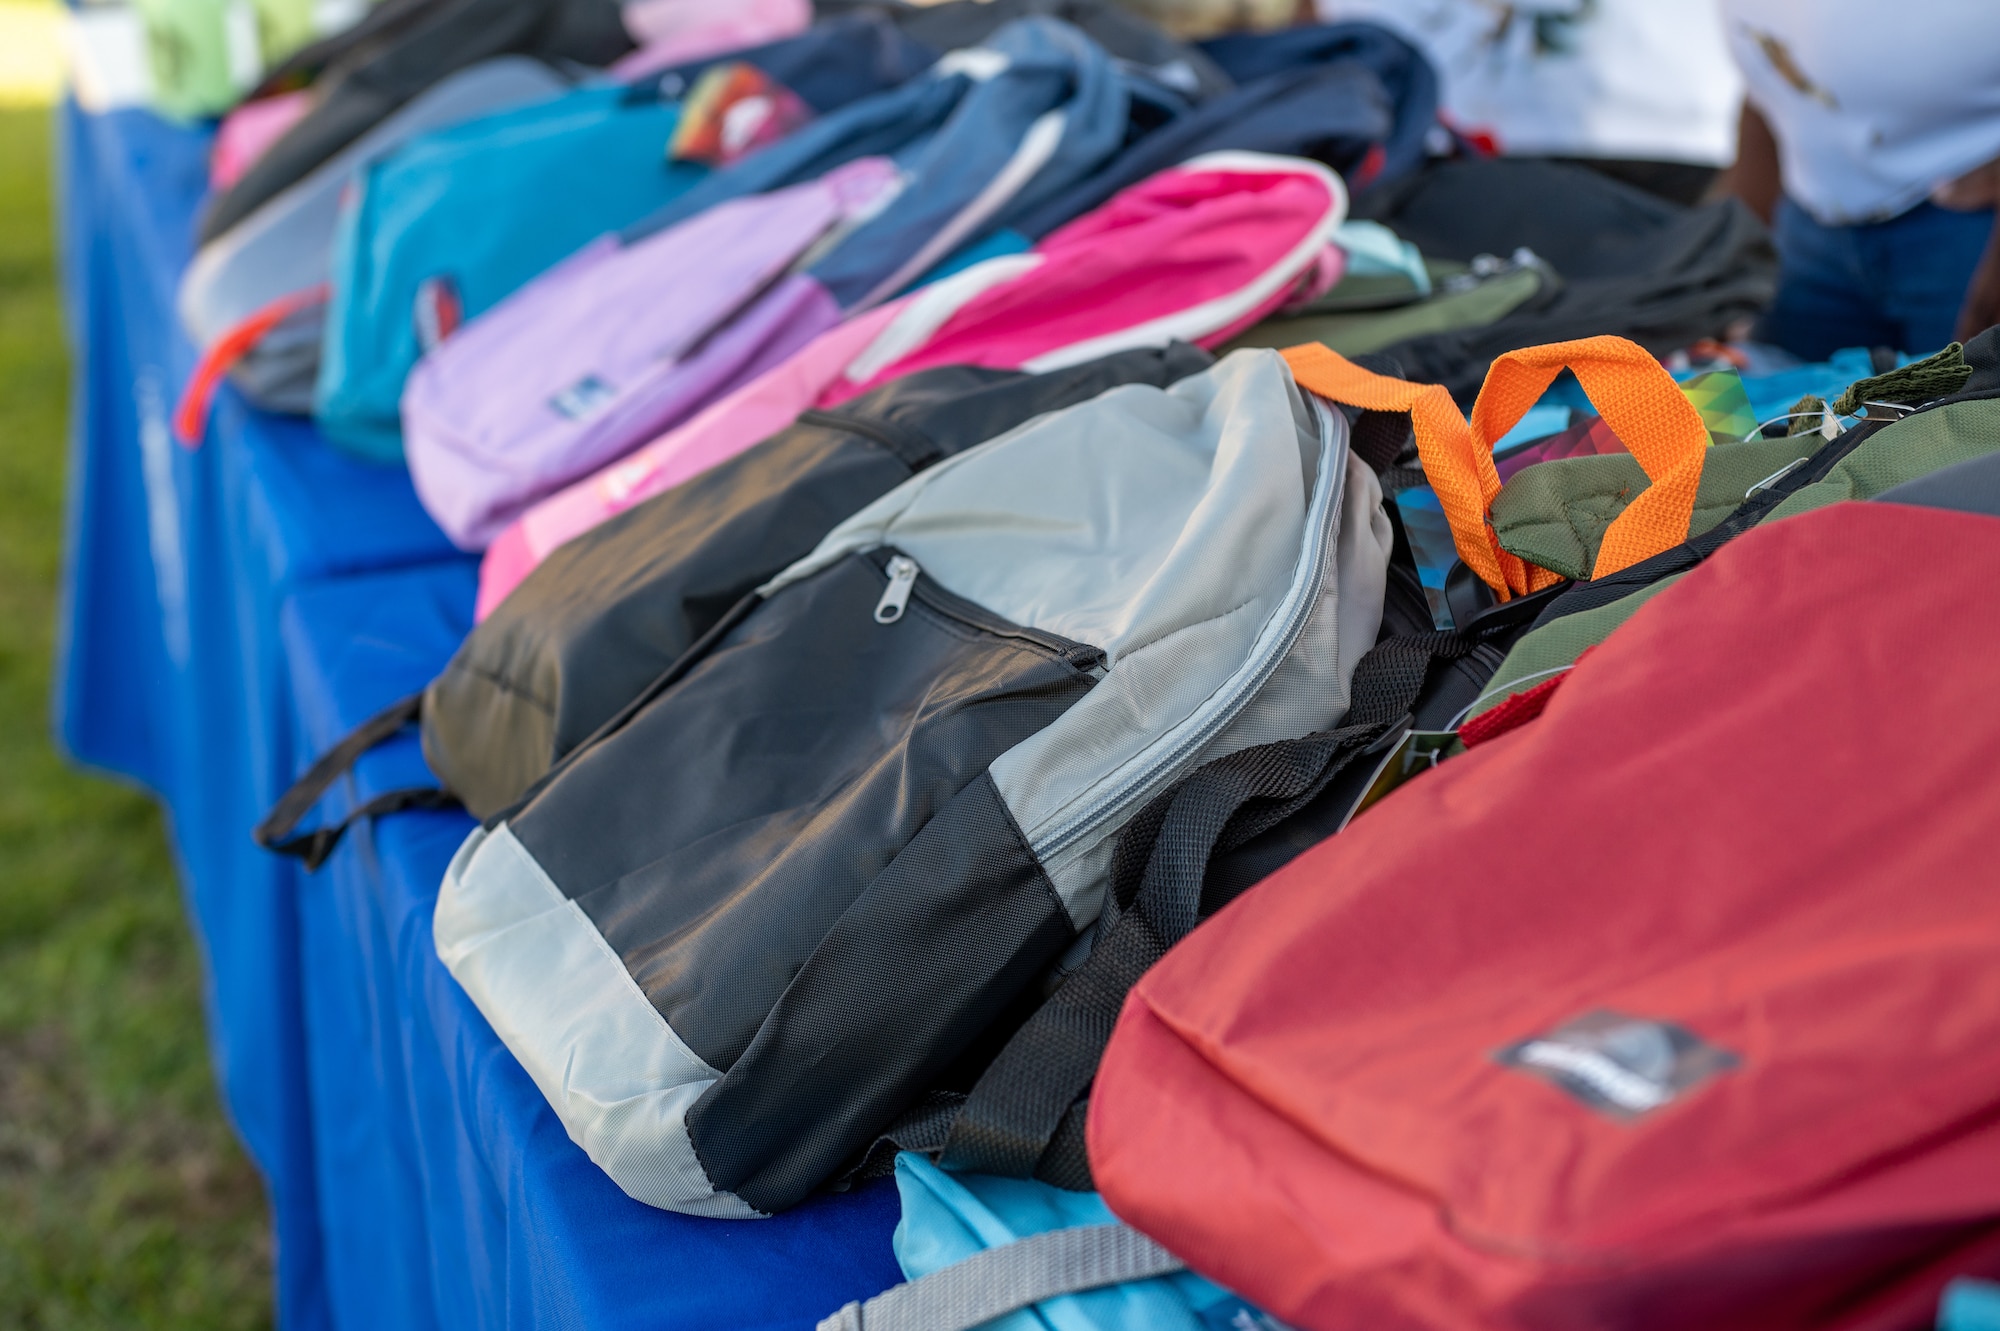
(938, 944)
(602, 616)
(1631, 263)
(402, 49)
(1024, 1117)
(719, 833)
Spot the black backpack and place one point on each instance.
(1630, 263)
(608, 613)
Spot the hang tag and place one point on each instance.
(1622, 1066)
(1417, 752)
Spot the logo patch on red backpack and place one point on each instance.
(1618, 1065)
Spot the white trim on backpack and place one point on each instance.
(1202, 320)
(619, 1077)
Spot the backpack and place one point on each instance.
(617, 343)
(415, 255)
(990, 133)
(1630, 264)
(975, 1247)
(278, 255)
(1241, 231)
(1337, 113)
(596, 624)
(1405, 75)
(1922, 422)
(1518, 1050)
(908, 756)
(402, 47)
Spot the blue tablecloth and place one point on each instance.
(230, 611)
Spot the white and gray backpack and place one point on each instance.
(785, 893)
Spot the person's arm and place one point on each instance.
(1754, 176)
(1977, 189)
(1982, 299)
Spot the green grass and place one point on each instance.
(125, 1201)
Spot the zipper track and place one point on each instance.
(935, 597)
(1147, 777)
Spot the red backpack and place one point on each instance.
(1676, 1007)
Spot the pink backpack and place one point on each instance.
(1193, 254)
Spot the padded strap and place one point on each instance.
(1024, 1117)
(191, 415)
(275, 832)
(1015, 1275)
(1635, 395)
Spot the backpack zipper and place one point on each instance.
(907, 583)
(902, 572)
(1145, 776)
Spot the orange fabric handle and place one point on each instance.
(1632, 391)
(191, 415)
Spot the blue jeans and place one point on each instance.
(1896, 284)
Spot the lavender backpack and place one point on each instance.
(617, 343)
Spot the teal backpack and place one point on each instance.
(453, 222)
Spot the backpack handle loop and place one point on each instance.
(1635, 395)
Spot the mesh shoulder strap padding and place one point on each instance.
(275, 833)
(1024, 1117)
(1630, 389)
(1016, 1275)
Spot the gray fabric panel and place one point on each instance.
(617, 1075)
(1016, 1275)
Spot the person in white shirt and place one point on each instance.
(1643, 89)
(1870, 138)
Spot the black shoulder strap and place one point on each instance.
(275, 832)
(1025, 1115)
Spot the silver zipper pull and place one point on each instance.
(902, 577)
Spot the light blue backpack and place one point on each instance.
(1009, 1254)
(452, 222)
